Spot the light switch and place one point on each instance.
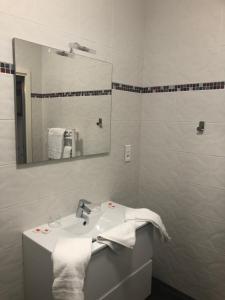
(127, 153)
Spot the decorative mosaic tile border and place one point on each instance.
(170, 88)
(126, 87)
(185, 87)
(6, 68)
(72, 94)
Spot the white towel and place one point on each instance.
(67, 152)
(70, 259)
(123, 234)
(146, 215)
(55, 142)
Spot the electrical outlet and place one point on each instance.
(127, 153)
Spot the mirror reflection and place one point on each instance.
(63, 104)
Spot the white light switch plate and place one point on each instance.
(127, 153)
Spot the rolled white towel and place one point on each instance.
(70, 260)
(67, 152)
(146, 215)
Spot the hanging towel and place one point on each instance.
(67, 152)
(146, 215)
(70, 260)
(55, 142)
(123, 234)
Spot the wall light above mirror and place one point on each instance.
(62, 104)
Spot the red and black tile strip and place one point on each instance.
(72, 94)
(126, 87)
(6, 68)
(185, 87)
(170, 88)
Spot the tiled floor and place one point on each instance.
(162, 297)
(161, 291)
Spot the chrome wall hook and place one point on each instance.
(201, 127)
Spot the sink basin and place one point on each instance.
(101, 219)
(126, 275)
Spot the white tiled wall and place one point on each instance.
(28, 196)
(182, 174)
(184, 41)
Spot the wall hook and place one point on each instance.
(201, 127)
(99, 123)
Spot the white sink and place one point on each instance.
(126, 275)
(101, 219)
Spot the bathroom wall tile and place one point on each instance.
(11, 277)
(170, 69)
(128, 57)
(159, 169)
(16, 219)
(202, 169)
(58, 178)
(28, 183)
(222, 27)
(7, 142)
(189, 53)
(125, 133)
(159, 107)
(42, 11)
(10, 258)
(127, 66)
(6, 97)
(210, 204)
(207, 106)
(96, 20)
(11, 26)
(159, 134)
(16, 185)
(126, 106)
(128, 16)
(211, 142)
(124, 188)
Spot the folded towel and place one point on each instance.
(146, 215)
(70, 259)
(67, 152)
(123, 234)
(55, 142)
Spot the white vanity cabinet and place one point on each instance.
(125, 275)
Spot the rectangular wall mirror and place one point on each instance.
(62, 104)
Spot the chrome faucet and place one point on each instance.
(82, 207)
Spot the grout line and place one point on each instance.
(190, 122)
(174, 150)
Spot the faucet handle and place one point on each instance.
(84, 201)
